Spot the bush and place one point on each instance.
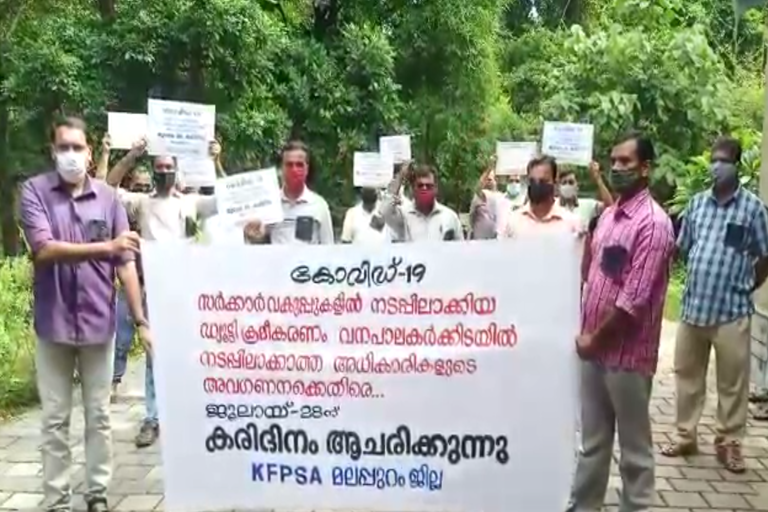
(17, 341)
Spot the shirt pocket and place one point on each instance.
(305, 228)
(96, 229)
(736, 236)
(614, 260)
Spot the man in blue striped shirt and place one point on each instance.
(724, 239)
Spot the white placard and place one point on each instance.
(253, 195)
(397, 146)
(372, 170)
(197, 172)
(569, 143)
(180, 129)
(126, 129)
(366, 378)
(512, 157)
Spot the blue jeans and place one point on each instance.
(123, 337)
(150, 400)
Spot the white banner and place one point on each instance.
(253, 195)
(180, 129)
(373, 170)
(569, 143)
(377, 379)
(512, 157)
(126, 129)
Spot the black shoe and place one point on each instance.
(98, 505)
(147, 434)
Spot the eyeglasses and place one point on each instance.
(63, 148)
(424, 186)
(141, 188)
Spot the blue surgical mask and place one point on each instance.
(513, 189)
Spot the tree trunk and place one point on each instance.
(10, 231)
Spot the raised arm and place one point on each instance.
(128, 162)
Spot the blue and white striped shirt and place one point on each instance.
(721, 243)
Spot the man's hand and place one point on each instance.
(254, 232)
(214, 149)
(585, 346)
(106, 144)
(146, 339)
(139, 148)
(594, 170)
(128, 241)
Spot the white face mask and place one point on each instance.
(71, 166)
(568, 191)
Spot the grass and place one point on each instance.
(672, 304)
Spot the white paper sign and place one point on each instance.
(397, 146)
(366, 378)
(126, 129)
(372, 170)
(197, 172)
(569, 143)
(512, 157)
(180, 129)
(253, 195)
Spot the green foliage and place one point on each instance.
(694, 175)
(17, 371)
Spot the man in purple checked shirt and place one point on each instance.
(78, 232)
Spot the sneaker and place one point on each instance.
(147, 434)
(98, 505)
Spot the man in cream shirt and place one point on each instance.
(363, 222)
(164, 214)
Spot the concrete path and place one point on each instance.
(695, 484)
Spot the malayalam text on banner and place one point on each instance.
(358, 378)
(180, 129)
(569, 143)
(253, 195)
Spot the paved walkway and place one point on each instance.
(695, 484)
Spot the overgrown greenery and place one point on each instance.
(17, 376)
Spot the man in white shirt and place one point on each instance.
(363, 223)
(306, 215)
(164, 214)
(424, 219)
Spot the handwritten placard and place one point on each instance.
(196, 172)
(569, 143)
(126, 129)
(253, 195)
(180, 129)
(398, 147)
(365, 377)
(512, 157)
(373, 170)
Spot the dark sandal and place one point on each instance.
(679, 449)
(729, 455)
(760, 413)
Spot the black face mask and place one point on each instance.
(540, 191)
(369, 196)
(164, 181)
(624, 181)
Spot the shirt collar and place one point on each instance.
(303, 197)
(435, 211)
(174, 193)
(58, 183)
(557, 212)
(733, 197)
(630, 207)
